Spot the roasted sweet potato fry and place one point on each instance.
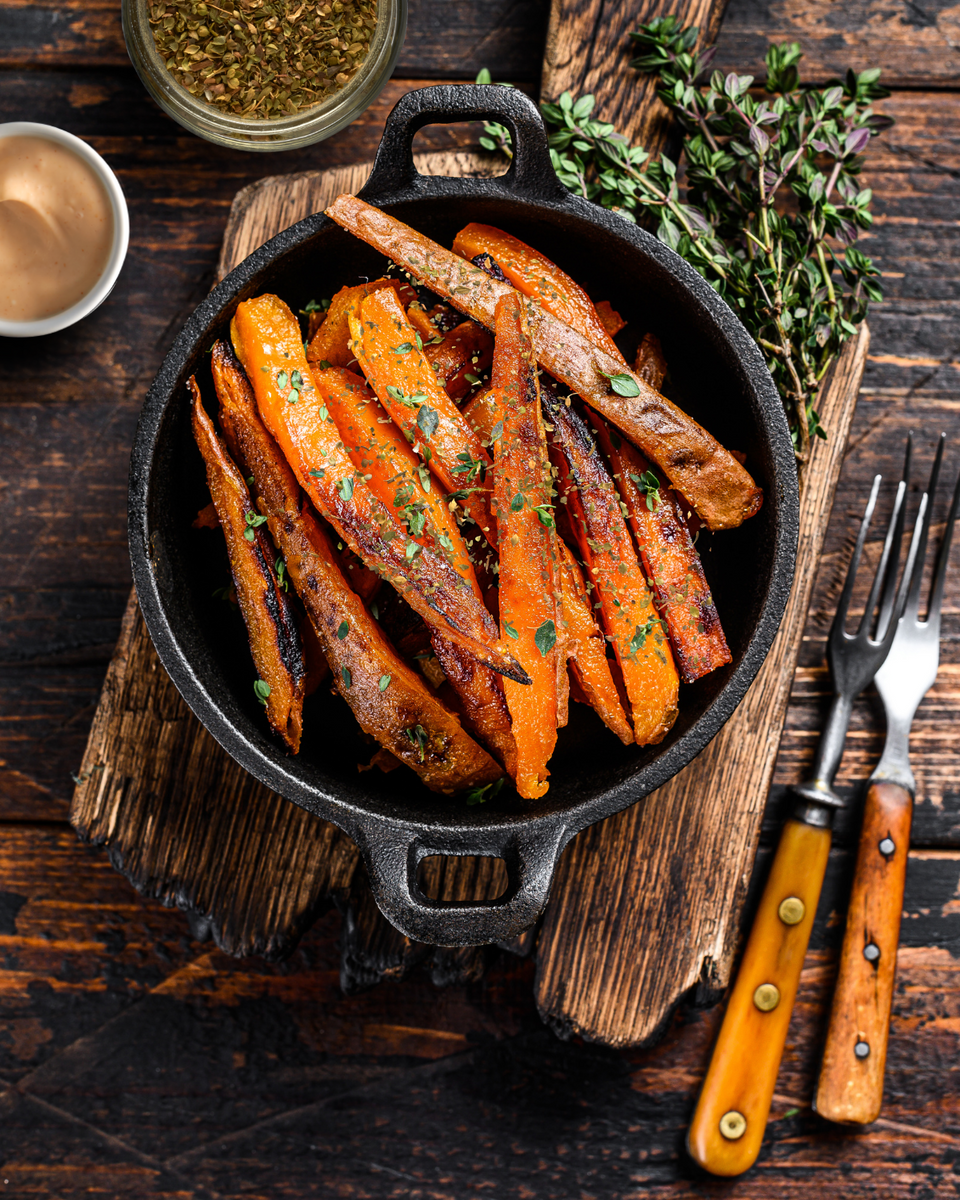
(606, 547)
(270, 620)
(433, 322)
(587, 648)
(526, 531)
(268, 344)
(381, 453)
(388, 698)
(465, 351)
(610, 318)
(651, 366)
(407, 387)
(533, 274)
(670, 559)
(379, 450)
(588, 651)
(331, 342)
(708, 476)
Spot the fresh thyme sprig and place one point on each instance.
(771, 205)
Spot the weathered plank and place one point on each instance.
(452, 39)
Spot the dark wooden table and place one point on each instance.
(137, 1061)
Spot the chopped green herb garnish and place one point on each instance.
(649, 484)
(385, 682)
(254, 521)
(517, 503)
(622, 384)
(471, 378)
(346, 489)
(545, 513)
(509, 630)
(545, 638)
(317, 472)
(325, 364)
(428, 419)
(418, 736)
(261, 690)
(480, 795)
(343, 629)
(375, 611)
(496, 433)
(347, 677)
(412, 551)
(282, 380)
(281, 568)
(403, 348)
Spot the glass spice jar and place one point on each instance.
(264, 74)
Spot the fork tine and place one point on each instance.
(837, 630)
(892, 566)
(912, 607)
(936, 592)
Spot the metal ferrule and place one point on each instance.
(894, 764)
(816, 801)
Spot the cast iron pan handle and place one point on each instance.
(531, 173)
(393, 855)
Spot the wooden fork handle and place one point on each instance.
(731, 1114)
(850, 1088)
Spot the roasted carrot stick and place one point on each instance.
(587, 649)
(379, 450)
(268, 344)
(708, 476)
(270, 620)
(670, 559)
(533, 274)
(331, 343)
(404, 381)
(606, 547)
(388, 698)
(381, 453)
(526, 531)
(465, 351)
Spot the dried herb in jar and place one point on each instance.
(263, 58)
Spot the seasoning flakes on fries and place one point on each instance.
(475, 440)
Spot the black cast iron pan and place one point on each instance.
(718, 376)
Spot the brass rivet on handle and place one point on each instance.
(733, 1125)
(792, 910)
(767, 997)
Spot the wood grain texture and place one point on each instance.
(850, 1087)
(678, 862)
(588, 50)
(187, 825)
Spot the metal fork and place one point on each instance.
(850, 1087)
(731, 1114)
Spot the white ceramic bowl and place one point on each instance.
(121, 233)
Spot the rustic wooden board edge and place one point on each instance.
(595, 978)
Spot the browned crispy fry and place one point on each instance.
(651, 366)
(271, 622)
(708, 476)
(390, 701)
(331, 342)
(465, 350)
(587, 649)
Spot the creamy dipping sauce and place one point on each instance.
(56, 228)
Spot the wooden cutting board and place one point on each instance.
(621, 943)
